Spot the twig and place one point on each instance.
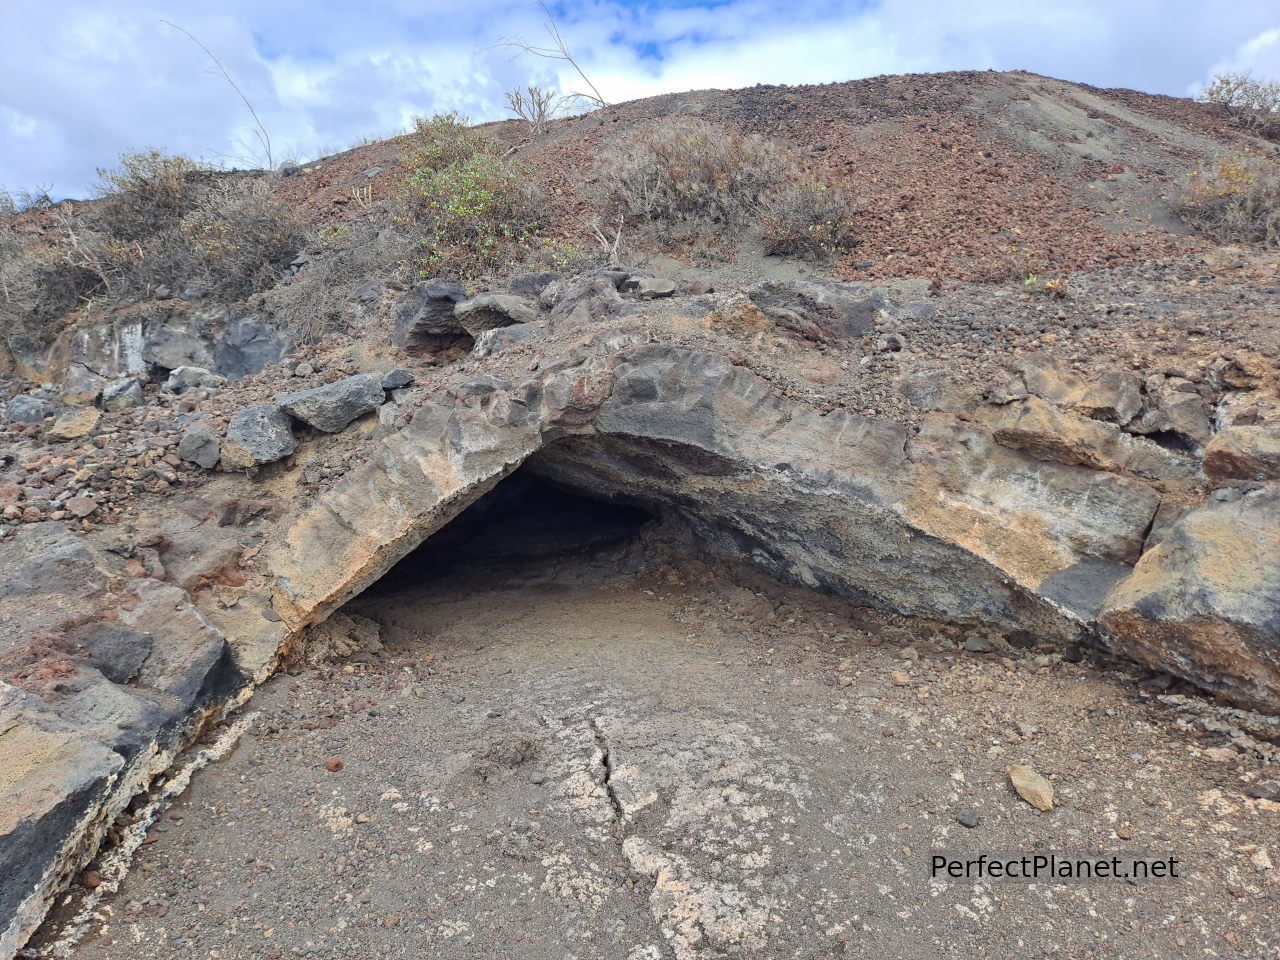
(264, 138)
(559, 50)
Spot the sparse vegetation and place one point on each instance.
(537, 106)
(1236, 200)
(1254, 103)
(685, 177)
(475, 208)
(558, 49)
(163, 221)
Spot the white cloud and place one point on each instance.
(82, 82)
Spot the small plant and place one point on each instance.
(476, 210)
(558, 50)
(1236, 200)
(1056, 288)
(1255, 104)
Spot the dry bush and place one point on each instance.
(162, 222)
(686, 177)
(145, 194)
(537, 106)
(807, 220)
(476, 210)
(377, 247)
(1237, 200)
(1255, 104)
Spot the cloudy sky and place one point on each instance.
(82, 81)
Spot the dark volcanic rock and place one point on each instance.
(257, 435)
(331, 407)
(819, 311)
(490, 310)
(247, 346)
(200, 445)
(424, 316)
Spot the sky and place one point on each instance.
(83, 81)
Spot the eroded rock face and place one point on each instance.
(1017, 514)
(1244, 453)
(488, 311)
(1205, 601)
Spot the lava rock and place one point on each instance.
(649, 288)
(1115, 397)
(424, 317)
(200, 445)
(81, 385)
(73, 425)
(398, 379)
(24, 409)
(122, 394)
(331, 407)
(501, 338)
(182, 379)
(490, 310)
(247, 346)
(1244, 453)
(171, 346)
(258, 435)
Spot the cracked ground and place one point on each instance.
(562, 760)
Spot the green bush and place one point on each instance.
(476, 211)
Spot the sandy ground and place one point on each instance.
(692, 762)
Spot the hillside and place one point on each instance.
(648, 513)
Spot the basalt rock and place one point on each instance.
(332, 407)
(487, 311)
(257, 435)
(1244, 453)
(424, 317)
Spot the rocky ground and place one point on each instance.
(558, 758)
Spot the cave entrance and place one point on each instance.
(526, 522)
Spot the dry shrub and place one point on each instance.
(476, 210)
(1253, 103)
(808, 220)
(315, 302)
(161, 221)
(1236, 200)
(686, 177)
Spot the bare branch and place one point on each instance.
(264, 138)
(559, 50)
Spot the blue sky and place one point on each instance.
(82, 81)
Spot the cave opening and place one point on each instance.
(528, 520)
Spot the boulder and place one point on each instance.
(24, 409)
(501, 338)
(74, 424)
(183, 379)
(200, 445)
(247, 346)
(1244, 453)
(649, 288)
(172, 346)
(819, 311)
(257, 435)
(331, 407)
(1116, 397)
(1176, 409)
(1204, 603)
(122, 394)
(531, 285)
(81, 385)
(424, 316)
(585, 297)
(490, 310)
(397, 379)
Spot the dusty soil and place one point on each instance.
(610, 756)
